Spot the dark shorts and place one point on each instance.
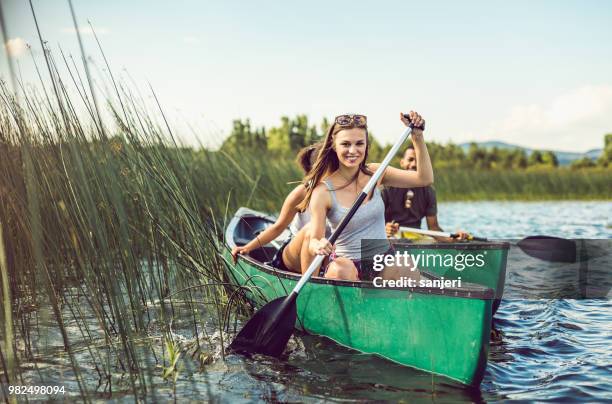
(277, 260)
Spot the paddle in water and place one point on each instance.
(270, 328)
(549, 248)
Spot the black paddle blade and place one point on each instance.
(549, 248)
(269, 330)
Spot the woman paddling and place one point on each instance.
(344, 155)
(293, 255)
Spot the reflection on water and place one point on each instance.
(550, 348)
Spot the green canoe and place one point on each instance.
(443, 331)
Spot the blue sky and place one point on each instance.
(531, 73)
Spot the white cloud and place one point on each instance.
(573, 121)
(16, 47)
(191, 40)
(86, 30)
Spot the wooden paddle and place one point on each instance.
(547, 248)
(270, 328)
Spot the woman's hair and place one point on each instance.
(327, 162)
(307, 156)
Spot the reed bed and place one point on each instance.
(528, 185)
(108, 240)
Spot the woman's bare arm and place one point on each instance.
(319, 205)
(287, 213)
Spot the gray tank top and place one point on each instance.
(367, 223)
(301, 219)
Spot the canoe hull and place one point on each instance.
(399, 325)
(446, 333)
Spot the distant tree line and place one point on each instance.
(286, 140)
(605, 160)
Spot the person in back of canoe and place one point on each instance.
(407, 206)
(293, 255)
(340, 173)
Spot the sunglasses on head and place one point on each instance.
(360, 121)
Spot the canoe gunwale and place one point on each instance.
(468, 290)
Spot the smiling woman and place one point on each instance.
(341, 172)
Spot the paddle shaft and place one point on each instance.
(366, 190)
(438, 233)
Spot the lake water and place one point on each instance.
(515, 220)
(550, 349)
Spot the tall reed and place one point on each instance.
(110, 228)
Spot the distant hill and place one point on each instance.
(564, 158)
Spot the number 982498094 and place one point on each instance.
(35, 390)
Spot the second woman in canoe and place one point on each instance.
(293, 255)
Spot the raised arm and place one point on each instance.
(423, 176)
(287, 213)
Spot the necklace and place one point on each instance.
(347, 179)
(350, 180)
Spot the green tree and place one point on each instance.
(292, 135)
(477, 157)
(375, 153)
(242, 137)
(494, 157)
(535, 158)
(278, 138)
(605, 160)
(519, 159)
(550, 159)
(506, 159)
(453, 155)
(298, 133)
(325, 124)
(584, 162)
